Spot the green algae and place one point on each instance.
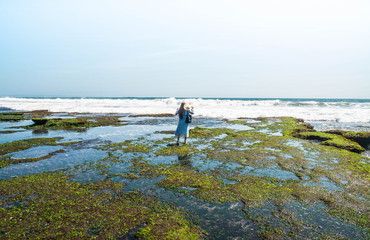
(165, 132)
(332, 140)
(20, 116)
(75, 123)
(239, 121)
(347, 163)
(362, 138)
(291, 127)
(127, 146)
(286, 125)
(136, 148)
(201, 132)
(11, 116)
(49, 206)
(176, 150)
(11, 131)
(116, 146)
(272, 233)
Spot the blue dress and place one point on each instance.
(182, 126)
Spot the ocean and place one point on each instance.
(331, 110)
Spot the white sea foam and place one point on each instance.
(309, 110)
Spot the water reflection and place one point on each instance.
(40, 131)
(185, 160)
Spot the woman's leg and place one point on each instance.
(178, 139)
(185, 139)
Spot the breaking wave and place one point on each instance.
(339, 110)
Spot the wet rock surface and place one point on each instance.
(235, 179)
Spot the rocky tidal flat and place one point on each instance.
(117, 176)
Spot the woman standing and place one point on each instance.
(182, 126)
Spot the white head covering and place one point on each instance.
(187, 106)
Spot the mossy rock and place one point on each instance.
(165, 132)
(75, 123)
(176, 150)
(288, 126)
(331, 140)
(11, 116)
(239, 121)
(40, 121)
(60, 122)
(11, 131)
(48, 206)
(201, 132)
(136, 148)
(362, 138)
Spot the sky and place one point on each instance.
(193, 48)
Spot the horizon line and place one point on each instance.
(177, 97)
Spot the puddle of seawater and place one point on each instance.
(316, 216)
(313, 219)
(286, 155)
(221, 221)
(120, 168)
(239, 127)
(221, 136)
(343, 181)
(325, 183)
(56, 162)
(216, 123)
(10, 125)
(273, 149)
(360, 197)
(233, 166)
(203, 146)
(295, 143)
(142, 185)
(89, 176)
(35, 152)
(108, 133)
(224, 221)
(62, 116)
(366, 154)
(275, 173)
(271, 133)
(206, 165)
(151, 120)
(227, 181)
(187, 189)
(166, 159)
